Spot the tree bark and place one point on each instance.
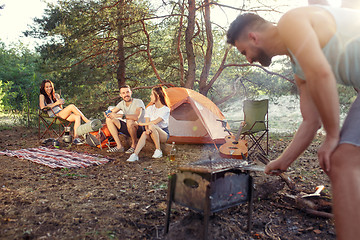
(120, 72)
(178, 44)
(189, 32)
(203, 86)
(148, 51)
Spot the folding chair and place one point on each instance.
(256, 119)
(50, 122)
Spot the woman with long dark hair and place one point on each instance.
(48, 98)
(156, 124)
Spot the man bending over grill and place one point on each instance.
(324, 46)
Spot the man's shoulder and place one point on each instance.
(302, 13)
(120, 105)
(296, 21)
(138, 101)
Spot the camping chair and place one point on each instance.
(50, 122)
(256, 119)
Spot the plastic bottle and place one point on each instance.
(172, 152)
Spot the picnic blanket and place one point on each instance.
(56, 158)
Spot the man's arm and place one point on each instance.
(304, 135)
(113, 113)
(305, 41)
(136, 114)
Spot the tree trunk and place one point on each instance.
(178, 47)
(189, 32)
(203, 87)
(120, 72)
(28, 107)
(148, 52)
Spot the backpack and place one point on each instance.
(100, 139)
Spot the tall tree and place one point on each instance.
(189, 35)
(95, 34)
(203, 86)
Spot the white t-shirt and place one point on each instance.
(131, 109)
(154, 113)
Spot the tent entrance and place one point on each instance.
(184, 121)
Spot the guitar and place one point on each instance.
(233, 147)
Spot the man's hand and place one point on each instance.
(325, 151)
(276, 167)
(111, 115)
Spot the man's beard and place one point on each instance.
(127, 99)
(263, 58)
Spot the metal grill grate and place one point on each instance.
(214, 165)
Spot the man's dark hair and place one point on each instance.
(240, 23)
(124, 86)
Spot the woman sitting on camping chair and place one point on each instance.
(49, 99)
(156, 124)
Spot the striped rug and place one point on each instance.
(56, 158)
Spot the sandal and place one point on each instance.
(115, 149)
(130, 150)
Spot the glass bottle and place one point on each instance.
(172, 152)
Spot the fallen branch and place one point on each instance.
(310, 207)
(318, 213)
(306, 205)
(287, 179)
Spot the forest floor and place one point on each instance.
(121, 200)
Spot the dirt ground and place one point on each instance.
(121, 200)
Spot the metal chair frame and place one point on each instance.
(252, 131)
(49, 122)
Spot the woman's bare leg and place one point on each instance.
(66, 112)
(158, 135)
(77, 119)
(141, 143)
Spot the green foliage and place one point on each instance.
(19, 82)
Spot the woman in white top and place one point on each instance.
(156, 124)
(48, 98)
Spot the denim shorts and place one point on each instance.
(167, 132)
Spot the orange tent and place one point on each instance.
(193, 117)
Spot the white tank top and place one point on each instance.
(343, 49)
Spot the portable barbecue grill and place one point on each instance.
(211, 185)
